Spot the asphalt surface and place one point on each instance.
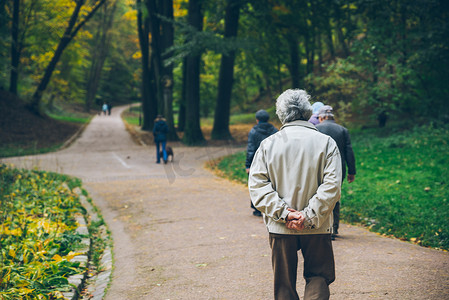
(181, 232)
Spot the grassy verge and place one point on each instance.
(37, 233)
(133, 115)
(71, 118)
(400, 189)
(21, 149)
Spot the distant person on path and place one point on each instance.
(341, 136)
(315, 109)
(295, 181)
(109, 108)
(104, 108)
(160, 130)
(257, 134)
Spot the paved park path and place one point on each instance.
(181, 232)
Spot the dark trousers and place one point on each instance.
(336, 212)
(158, 151)
(319, 267)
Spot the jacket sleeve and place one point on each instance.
(350, 157)
(262, 193)
(251, 149)
(154, 129)
(328, 193)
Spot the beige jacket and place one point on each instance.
(300, 168)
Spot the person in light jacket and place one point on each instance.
(295, 181)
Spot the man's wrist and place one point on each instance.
(307, 221)
(285, 215)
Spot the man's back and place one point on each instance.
(257, 134)
(341, 136)
(303, 167)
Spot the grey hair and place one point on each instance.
(293, 105)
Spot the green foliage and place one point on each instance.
(367, 58)
(233, 167)
(339, 87)
(397, 62)
(400, 188)
(37, 233)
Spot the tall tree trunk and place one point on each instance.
(311, 41)
(293, 44)
(149, 105)
(68, 35)
(308, 50)
(167, 42)
(15, 48)
(328, 35)
(99, 56)
(339, 30)
(182, 103)
(192, 130)
(220, 130)
(320, 54)
(156, 52)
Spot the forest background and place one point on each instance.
(374, 61)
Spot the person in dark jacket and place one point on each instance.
(258, 133)
(160, 130)
(340, 134)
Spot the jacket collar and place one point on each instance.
(300, 123)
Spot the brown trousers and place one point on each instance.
(319, 267)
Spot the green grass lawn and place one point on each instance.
(400, 188)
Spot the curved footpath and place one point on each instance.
(181, 232)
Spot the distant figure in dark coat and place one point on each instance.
(340, 135)
(160, 130)
(258, 133)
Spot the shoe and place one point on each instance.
(333, 236)
(158, 162)
(257, 213)
(165, 162)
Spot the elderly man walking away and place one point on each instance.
(341, 136)
(257, 134)
(295, 181)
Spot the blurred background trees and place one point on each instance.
(374, 61)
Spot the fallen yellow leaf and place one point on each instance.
(57, 258)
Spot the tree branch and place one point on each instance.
(92, 12)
